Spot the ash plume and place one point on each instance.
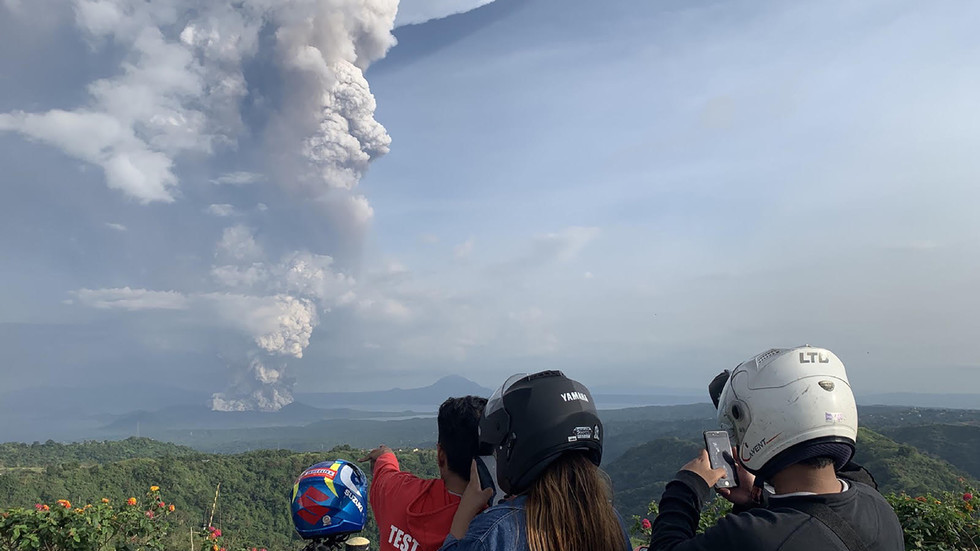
(280, 313)
(179, 91)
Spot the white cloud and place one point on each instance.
(222, 210)
(566, 244)
(115, 226)
(101, 139)
(238, 244)
(464, 249)
(238, 178)
(126, 298)
(239, 277)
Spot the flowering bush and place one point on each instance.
(92, 527)
(136, 526)
(950, 521)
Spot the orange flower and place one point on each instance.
(214, 547)
(154, 488)
(64, 503)
(172, 508)
(105, 500)
(45, 508)
(131, 501)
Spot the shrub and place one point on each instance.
(148, 524)
(948, 521)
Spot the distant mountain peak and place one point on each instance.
(458, 384)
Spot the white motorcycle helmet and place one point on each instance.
(788, 405)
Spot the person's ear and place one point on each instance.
(441, 456)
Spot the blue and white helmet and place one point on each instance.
(329, 499)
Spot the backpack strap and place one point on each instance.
(837, 524)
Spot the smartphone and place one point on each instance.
(486, 466)
(717, 443)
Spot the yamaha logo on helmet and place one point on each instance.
(572, 396)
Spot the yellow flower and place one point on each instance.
(214, 547)
(131, 501)
(154, 488)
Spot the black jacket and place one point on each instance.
(777, 526)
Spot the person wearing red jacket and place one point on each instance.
(415, 514)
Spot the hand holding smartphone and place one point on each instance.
(719, 445)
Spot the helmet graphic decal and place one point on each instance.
(756, 448)
(345, 476)
(329, 476)
(312, 511)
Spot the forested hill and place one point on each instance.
(957, 444)
(14, 454)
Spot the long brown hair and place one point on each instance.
(570, 508)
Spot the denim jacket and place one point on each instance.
(501, 528)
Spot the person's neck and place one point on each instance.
(803, 478)
(454, 483)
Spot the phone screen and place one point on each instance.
(717, 443)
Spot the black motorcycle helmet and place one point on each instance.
(531, 420)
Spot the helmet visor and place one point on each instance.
(717, 385)
(494, 423)
(496, 401)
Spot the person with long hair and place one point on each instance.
(546, 439)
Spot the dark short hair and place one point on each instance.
(459, 431)
(818, 462)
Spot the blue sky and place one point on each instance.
(641, 194)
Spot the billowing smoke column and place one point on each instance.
(281, 324)
(180, 89)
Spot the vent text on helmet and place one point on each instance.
(572, 396)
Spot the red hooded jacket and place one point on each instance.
(413, 514)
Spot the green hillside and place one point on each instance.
(640, 474)
(254, 502)
(14, 454)
(902, 468)
(956, 444)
